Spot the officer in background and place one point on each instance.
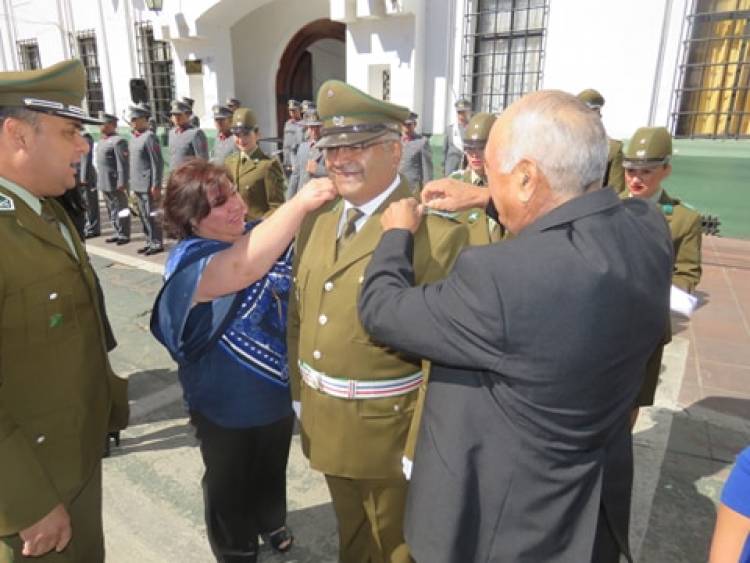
(357, 397)
(224, 145)
(89, 193)
(147, 167)
(185, 140)
(614, 176)
(193, 119)
(58, 393)
(258, 178)
(647, 165)
(482, 228)
(113, 166)
(416, 155)
(294, 134)
(310, 160)
(453, 149)
(306, 106)
(233, 103)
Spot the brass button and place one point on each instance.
(328, 286)
(52, 296)
(396, 408)
(316, 354)
(40, 439)
(322, 319)
(361, 279)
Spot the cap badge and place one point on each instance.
(338, 120)
(330, 93)
(643, 141)
(641, 152)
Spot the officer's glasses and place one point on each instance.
(353, 150)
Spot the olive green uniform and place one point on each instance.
(482, 229)
(615, 175)
(260, 181)
(56, 384)
(358, 444)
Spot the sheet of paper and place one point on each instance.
(682, 302)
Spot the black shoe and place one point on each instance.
(281, 540)
(121, 241)
(112, 239)
(143, 250)
(92, 235)
(154, 250)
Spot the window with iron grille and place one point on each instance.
(713, 77)
(156, 68)
(86, 43)
(503, 51)
(28, 54)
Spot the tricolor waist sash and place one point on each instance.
(358, 389)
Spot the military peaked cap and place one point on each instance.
(311, 119)
(650, 147)
(412, 118)
(55, 90)
(222, 112)
(293, 104)
(463, 105)
(478, 130)
(179, 106)
(139, 110)
(351, 117)
(105, 117)
(244, 119)
(591, 98)
(188, 101)
(307, 105)
(232, 102)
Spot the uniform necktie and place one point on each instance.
(48, 214)
(350, 229)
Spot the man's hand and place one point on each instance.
(315, 193)
(156, 192)
(448, 194)
(311, 166)
(51, 532)
(403, 214)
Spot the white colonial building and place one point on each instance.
(679, 63)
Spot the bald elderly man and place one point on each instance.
(524, 450)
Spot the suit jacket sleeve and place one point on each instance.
(275, 185)
(456, 322)
(427, 171)
(122, 155)
(157, 162)
(687, 260)
(200, 145)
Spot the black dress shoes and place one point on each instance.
(121, 241)
(154, 250)
(143, 250)
(112, 239)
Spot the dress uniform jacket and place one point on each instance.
(365, 438)
(416, 162)
(294, 135)
(525, 451)
(615, 174)
(259, 180)
(224, 147)
(300, 176)
(146, 162)
(453, 156)
(482, 228)
(186, 143)
(112, 163)
(56, 385)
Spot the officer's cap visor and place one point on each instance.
(643, 164)
(241, 130)
(61, 110)
(332, 137)
(474, 145)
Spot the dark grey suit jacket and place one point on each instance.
(538, 347)
(146, 162)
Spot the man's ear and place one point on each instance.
(17, 131)
(525, 176)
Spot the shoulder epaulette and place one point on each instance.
(6, 204)
(450, 215)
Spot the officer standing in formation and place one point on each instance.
(147, 166)
(294, 134)
(258, 178)
(89, 192)
(647, 164)
(310, 160)
(416, 155)
(615, 176)
(193, 119)
(185, 140)
(224, 144)
(58, 391)
(232, 103)
(482, 228)
(453, 149)
(113, 168)
(357, 397)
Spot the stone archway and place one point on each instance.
(294, 77)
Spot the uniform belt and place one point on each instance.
(358, 389)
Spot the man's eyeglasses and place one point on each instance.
(356, 148)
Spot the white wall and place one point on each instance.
(258, 41)
(328, 61)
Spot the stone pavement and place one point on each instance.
(684, 446)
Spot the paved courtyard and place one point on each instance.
(684, 446)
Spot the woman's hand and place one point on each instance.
(315, 193)
(403, 214)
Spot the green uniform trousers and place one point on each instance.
(370, 515)
(87, 543)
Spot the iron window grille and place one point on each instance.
(156, 69)
(28, 54)
(503, 51)
(710, 97)
(87, 52)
